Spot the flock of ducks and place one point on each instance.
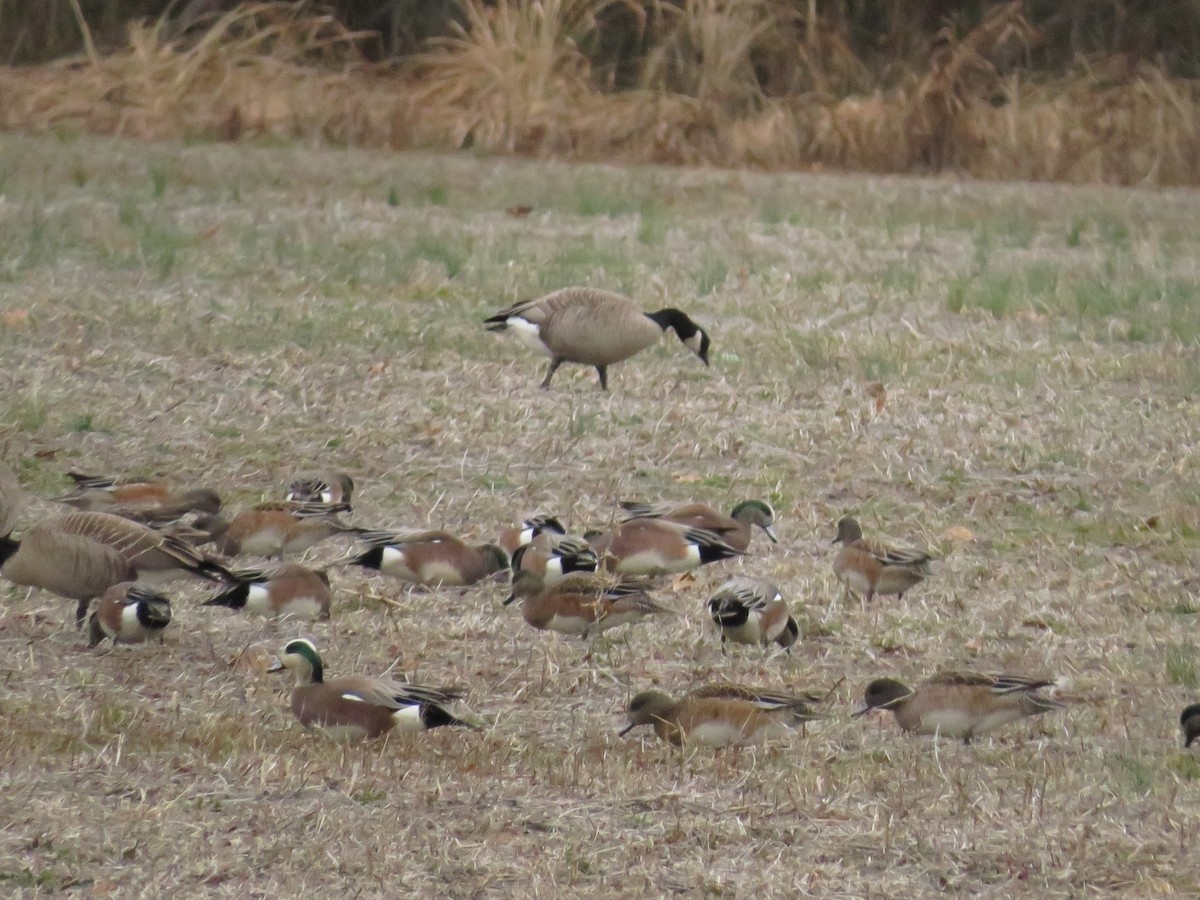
(120, 541)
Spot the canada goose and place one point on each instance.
(156, 556)
(1189, 721)
(959, 704)
(594, 328)
(336, 488)
(74, 566)
(720, 715)
(750, 611)
(287, 590)
(129, 614)
(12, 500)
(734, 529)
(872, 569)
(81, 554)
(356, 707)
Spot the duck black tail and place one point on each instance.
(372, 559)
(434, 716)
(233, 597)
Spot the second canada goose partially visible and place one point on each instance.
(594, 328)
(12, 500)
(74, 566)
(82, 554)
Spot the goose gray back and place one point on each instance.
(594, 328)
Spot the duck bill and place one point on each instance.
(276, 666)
(624, 731)
(509, 599)
(771, 534)
(861, 711)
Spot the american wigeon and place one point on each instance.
(657, 547)
(287, 590)
(513, 537)
(555, 559)
(1189, 721)
(355, 707)
(871, 569)
(593, 327)
(148, 502)
(959, 704)
(329, 488)
(734, 529)
(430, 557)
(752, 611)
(276, 529)
(580, 604)
(720, 715)
(129, 614)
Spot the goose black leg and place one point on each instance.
(555, 362)
(603, 370)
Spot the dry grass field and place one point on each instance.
(229, 314)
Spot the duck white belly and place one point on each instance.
(440, 573)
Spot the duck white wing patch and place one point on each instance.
(352, 696)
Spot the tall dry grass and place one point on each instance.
(726, 82)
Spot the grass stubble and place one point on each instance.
(227, 315)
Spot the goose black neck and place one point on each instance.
(8, 547)
(674, 318)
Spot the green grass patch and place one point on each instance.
(1180, 662)
(1132, 772)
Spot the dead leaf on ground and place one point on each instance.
(877, 392)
